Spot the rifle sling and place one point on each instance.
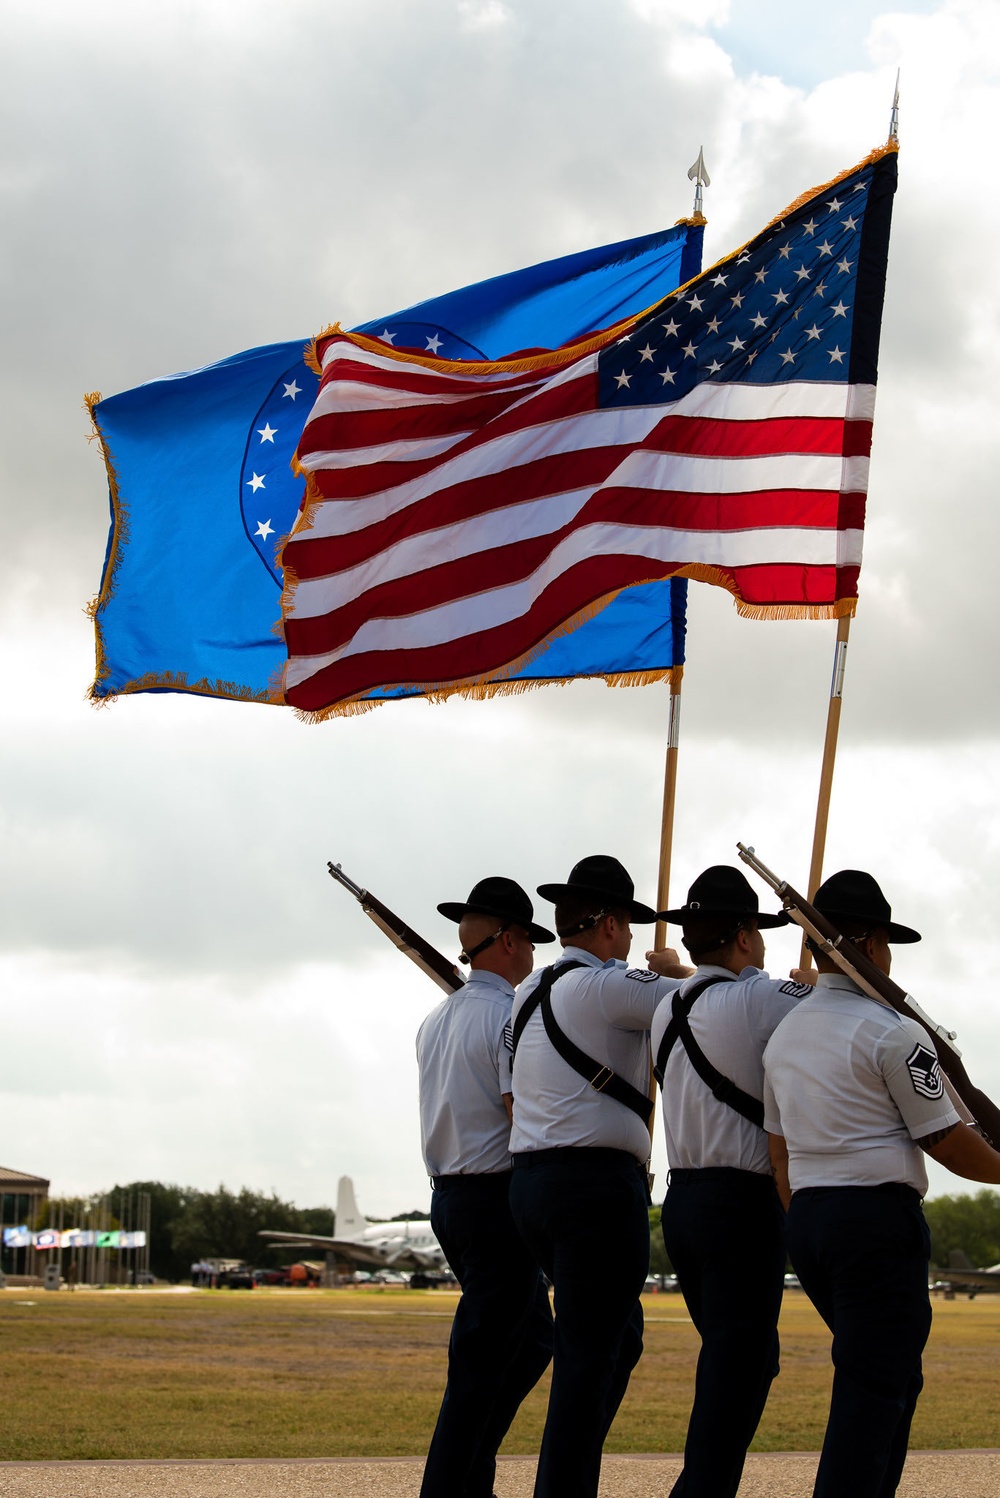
(720, 1087)
(601, 1078)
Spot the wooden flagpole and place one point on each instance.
(669, 797)
(666, 846)
(826, 773)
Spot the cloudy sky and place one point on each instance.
(185, 994)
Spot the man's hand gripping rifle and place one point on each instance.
(971, 1102)
(427, 958)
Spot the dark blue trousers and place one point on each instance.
(583, 1213)
(501, 1338)
(861, 1253)
(724, 1232)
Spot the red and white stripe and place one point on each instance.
(460, 519)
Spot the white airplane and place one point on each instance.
(962, 1274)
(386, 1245)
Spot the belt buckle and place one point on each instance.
(605, 1073)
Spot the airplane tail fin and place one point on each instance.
(959, 1259)
(350, 1223)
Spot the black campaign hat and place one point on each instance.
(500, 897)
(857, 896)
(723, 890)
(607, 880)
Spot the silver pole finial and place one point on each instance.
(699, 176)
(894, 117)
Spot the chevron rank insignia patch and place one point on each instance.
(925, 1073)
(797, 990)
(642, 975)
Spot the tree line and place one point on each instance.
(970, 1223)
(967, 1222)
(187, 1225)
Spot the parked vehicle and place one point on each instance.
(236, 1279)
(270, 1276)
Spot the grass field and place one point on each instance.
(360, 1373)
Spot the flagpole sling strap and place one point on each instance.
(599, 1076)
(720, 1087)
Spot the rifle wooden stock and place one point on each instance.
(878, 985)
(427, 958)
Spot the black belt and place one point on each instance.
(886, 1188)
(570, 1153)
(688, 1176)
(481, 1179)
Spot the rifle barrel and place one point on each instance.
(420, 952)
(879, 986)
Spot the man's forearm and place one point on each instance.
(965, 1153)
(778, 1150)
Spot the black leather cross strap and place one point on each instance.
(720, 1087)
(601, 1078)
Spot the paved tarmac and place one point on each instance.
(928, 1474)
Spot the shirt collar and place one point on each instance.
(491, 980)
(839, 980)
(711, 969)
(588, 959)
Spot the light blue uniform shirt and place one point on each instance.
(606, 1009)
(852, 1084)
(463, 1052)
(732, 1021)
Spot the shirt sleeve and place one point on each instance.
(772, 1118)
(631, 996)
(505, 1057)
(912, 1073)
(772, 1001)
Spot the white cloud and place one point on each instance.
(484, 15)
(676, 13)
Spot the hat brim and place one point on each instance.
(902, 935)
(454, 910)
(643, 915)
(764, 921)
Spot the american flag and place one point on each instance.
(461, 515)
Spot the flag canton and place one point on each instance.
(780, 310)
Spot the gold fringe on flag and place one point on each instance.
(502, 683)
(698, 572)
(355, 706)
(119, 540)
(177, 681)
(594, 341)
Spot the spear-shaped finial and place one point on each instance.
(699, 176)
(894, 117)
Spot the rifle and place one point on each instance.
(971, 1102)
(427, 958)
